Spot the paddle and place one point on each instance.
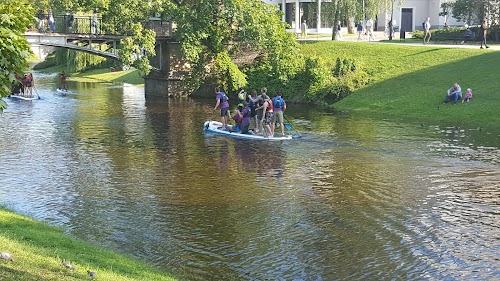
(289, 126)
(36, 92)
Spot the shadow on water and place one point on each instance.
(351, 199)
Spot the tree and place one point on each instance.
(446, 7)
(471, 11)
(214, 32)
(15, 17)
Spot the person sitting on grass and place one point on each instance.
(468, 95)
(455, 93)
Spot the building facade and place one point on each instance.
(319, 16)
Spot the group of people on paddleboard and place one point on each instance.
(23, 86)
(265, 112)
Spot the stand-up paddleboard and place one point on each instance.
(18, 97)
(64, 91)
(215, 127)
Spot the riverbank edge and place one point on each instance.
(131, 76)
(38, 249)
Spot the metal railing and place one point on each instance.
(91, 25)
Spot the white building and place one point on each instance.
(412, 13)
(409, 16)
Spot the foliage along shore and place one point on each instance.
(409, 82)
(402, 82)
(38, 249)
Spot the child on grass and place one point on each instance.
(468, 95)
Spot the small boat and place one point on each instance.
(216, 127)
(18, 97)
(64, 91)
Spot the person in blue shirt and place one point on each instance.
(454, 93)
(279, 105)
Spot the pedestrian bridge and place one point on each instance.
(81, 35)
(92, 44)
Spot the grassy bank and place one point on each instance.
(131, 76)
(37, 250)
(409, 82)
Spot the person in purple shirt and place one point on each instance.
(246, 114)
(238, 118)
(222, 101)
(279, 105)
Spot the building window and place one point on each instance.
(290, 14)
(309, 12)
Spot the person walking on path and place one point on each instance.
(52, 24)
(484, 33)
(369, 29)
(94, 23)
(70, 19)
(427, 30)
(303, 30)
(339, 31)
(359, 29)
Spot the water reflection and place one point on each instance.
(351, 199)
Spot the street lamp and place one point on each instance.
(390, 22)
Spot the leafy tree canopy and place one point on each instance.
(213, 32)
(15, 17)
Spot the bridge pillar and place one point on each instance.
(168, 71)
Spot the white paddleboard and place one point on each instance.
(215, 127)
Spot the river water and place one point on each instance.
(350, 199)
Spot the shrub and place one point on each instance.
(49, 61)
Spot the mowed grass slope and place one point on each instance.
(410, 82)
(38, 249)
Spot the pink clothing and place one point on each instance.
(468, 94)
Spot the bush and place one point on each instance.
(318, 82)
(49, 61)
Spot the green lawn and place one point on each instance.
(410, 82)
(131, 76)
(38, 250)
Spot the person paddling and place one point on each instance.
(63, 78)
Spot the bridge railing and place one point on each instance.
(68, 24)
(88, 25)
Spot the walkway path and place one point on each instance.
(379, 36)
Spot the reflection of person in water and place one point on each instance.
(266, 157)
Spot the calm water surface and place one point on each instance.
(351, 199)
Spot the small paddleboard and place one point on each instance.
(17, 97)
(215, 127)
(64, 91)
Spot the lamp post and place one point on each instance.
(390, 22)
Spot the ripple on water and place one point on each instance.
(139, 176)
